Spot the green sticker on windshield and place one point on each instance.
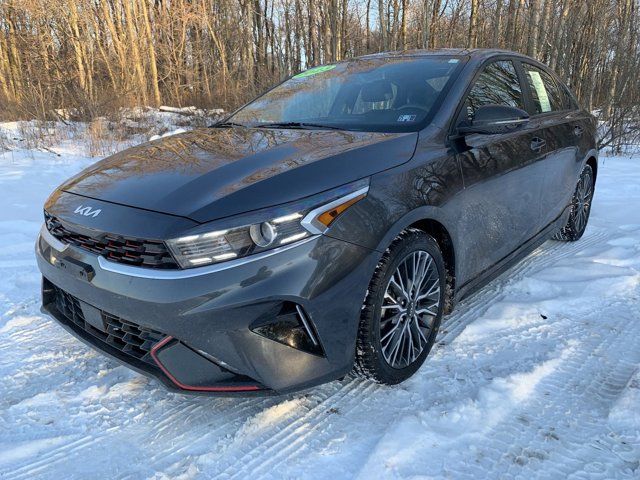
(314, 71)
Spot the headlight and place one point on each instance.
(221, 245)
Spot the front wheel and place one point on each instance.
(580, 208)
(402, 310)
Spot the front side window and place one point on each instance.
(545, 92)
(498, 84)
(369, 94)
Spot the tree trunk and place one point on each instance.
(426, 23)
(534, 18)
(153, 67)
(472, 41)
(367, 35)
(383, 26)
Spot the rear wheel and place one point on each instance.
(402, 310)
(580, 208)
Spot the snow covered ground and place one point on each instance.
(535, 376)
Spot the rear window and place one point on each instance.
(546, 93)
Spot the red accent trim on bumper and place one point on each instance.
(228, 388)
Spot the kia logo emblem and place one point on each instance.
(87, 211)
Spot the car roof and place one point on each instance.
(477, 53)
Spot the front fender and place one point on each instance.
(427, 212)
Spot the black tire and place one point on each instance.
(370, 360)
(580, 208)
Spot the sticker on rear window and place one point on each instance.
(314, 71)
(541, 90)
(407, 118)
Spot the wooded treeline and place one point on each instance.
(96, 55)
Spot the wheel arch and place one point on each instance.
(433, 222)
(591, 159)
(442, 237)
(593, 163)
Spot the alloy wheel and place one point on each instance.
(410, 306)
(582, 201)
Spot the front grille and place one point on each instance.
(128, 337)
(117, 248)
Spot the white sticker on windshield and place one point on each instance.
(538, 85)
(407, 118)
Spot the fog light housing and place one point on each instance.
(290, 326)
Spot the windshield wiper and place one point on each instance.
(226, 125)
(301, 125)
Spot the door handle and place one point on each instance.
(538, 144)
(577, 131)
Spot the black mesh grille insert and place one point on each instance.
(131, 251)
(128, 337)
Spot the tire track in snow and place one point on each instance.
(294, 436)
(322, 401)
(562, 432)
(47, 458)
(478, 303)
(79, 451)
(161, 459)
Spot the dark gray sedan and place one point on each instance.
(324, 228)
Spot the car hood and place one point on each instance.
(207, 174)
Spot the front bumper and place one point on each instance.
(200, 320)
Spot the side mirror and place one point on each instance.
(491, 119)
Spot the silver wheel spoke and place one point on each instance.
(387, 296)
(398, 336)
(434, 290)
(427, 311)
(391, 332)
(394, 319)
(399, 286)
(425, 272)
(395, 306)
(422, 340)
(409, 337)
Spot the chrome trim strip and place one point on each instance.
(51, 240)
(313, 226)
(505, 122)
(155, 274)
(305, 322)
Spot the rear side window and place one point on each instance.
(497, 85)
(545, 92)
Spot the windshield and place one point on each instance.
(370, 94)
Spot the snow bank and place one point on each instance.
(102, 136)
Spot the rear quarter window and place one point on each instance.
(570, 102)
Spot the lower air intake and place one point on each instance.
(291, 326)
(130, 338)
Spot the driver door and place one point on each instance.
(501, 174)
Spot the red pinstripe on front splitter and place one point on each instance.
(228, 388)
